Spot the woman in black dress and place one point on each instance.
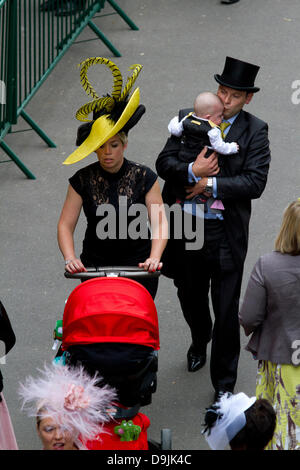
(118, 197)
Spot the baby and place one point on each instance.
(200, 128)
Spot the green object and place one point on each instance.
(104, 39)
(17, 161)
(127, 431)
(38, 130)
(57, 333)
(123, 14)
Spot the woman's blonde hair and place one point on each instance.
(288, 239)
(123, 137)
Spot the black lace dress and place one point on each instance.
(117, 230)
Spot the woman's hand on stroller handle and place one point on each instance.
(151, 264)
(74, 265)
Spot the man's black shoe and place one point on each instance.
(195, 359)
(228, 2)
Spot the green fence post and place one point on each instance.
(17, 161)
(104, 39)
(123, 15)
(11, 80)
(37, 129)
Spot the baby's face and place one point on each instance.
(217, 115)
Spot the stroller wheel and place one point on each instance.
(153, 445)
(166, 439)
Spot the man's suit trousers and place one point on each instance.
(212, 269)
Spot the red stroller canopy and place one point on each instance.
(110, 310)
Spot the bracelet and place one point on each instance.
(68, 261)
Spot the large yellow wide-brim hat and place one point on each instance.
(103, 129)
(106, 126)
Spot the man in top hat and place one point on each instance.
(218, 265)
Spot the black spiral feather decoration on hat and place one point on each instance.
(107, 103)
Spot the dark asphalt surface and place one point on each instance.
(181, 45)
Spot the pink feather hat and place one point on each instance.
(77, 402)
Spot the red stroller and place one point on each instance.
(110, 326)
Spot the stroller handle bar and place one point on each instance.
(131, 272)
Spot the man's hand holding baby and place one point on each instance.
(203, 167)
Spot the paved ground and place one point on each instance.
(181, 45)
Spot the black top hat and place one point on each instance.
(238, 75)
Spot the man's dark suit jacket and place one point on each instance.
(242, 177)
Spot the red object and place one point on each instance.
(108, 440)
(107, 310)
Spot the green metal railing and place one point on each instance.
(33, 40)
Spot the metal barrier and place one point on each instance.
(35, 34)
